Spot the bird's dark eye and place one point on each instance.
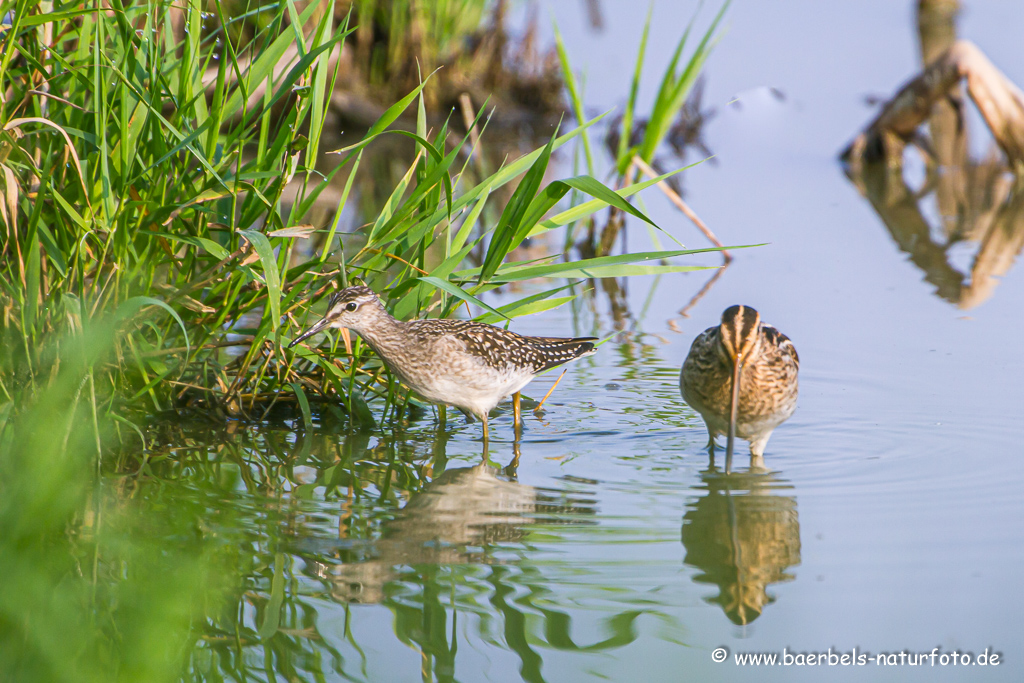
(351, 306)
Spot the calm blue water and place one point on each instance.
(890, 515)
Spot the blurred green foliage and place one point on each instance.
(96, 587)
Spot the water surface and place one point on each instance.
(604, 545)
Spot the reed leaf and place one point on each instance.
(272, 277)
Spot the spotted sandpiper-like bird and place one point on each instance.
(467, 364)
(741, 376)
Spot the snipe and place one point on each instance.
(467, 364)
(741, 376)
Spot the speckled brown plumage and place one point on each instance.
(498, 347)
(768, 384)
(467, 364)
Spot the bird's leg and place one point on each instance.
(486, 437)
(757, 446)
(757, 451)
(711, 448)
(442, 415)
(517, 416)
(517, 411)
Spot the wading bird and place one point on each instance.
(467, 364)
(741, 376)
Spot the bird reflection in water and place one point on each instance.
(459, 517)
(425, 564)
(742, 536)
(451, 521)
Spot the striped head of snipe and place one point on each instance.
(739, 342)
(739, 335)
(353, 308)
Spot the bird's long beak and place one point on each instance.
(319, 327)
(737, 369)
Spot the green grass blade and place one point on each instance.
(271, 276)
(558, 189)
(623, 154)
(131, 306)
(337, 212)
(536, 303)
(460, 293)
(574, 96)
(300, 395)
(526, 271)
(263, 66)
(581, 210)
(675, 87)
(507, 173)
(578, 270)
(507, 230)
(466, 229)
(389, 116)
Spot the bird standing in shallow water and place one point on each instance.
(741, 376)
(469, 365)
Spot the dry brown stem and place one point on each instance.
(681, 205)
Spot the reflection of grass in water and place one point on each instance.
(216, 556)
(264, 509)
(91, 589)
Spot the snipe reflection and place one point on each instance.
(743, 536)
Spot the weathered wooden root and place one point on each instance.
(1000, 102)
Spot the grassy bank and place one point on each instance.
(168, 184)
(163, 239)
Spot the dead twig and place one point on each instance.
(685, 310)
(681, 205)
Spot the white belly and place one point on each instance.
(477, 395)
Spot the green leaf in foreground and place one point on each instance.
(585, 209)
(512, 218)
(263, 249)
(130, 306)
(601, 264)
(536, 303)
(624, 270)
(459, 293)
(510, 233)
